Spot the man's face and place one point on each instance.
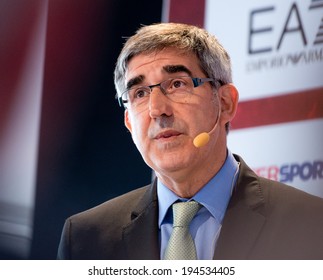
(164, 131)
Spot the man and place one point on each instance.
(174, 81)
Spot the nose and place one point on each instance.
(159, 104)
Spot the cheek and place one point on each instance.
(137, 138)
(139, 131)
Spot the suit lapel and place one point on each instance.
(244, 218)
(239, 233)
(141, 234)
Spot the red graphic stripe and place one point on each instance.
(305, 105)
(187, 11)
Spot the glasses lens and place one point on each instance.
(137, 96)
(177, 89)
(123, 99)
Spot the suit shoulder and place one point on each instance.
(258, 190)
(289, 204)
(273, 196)
(114, 207)
(287, 192)
(97, 233)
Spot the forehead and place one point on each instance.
(161, 62)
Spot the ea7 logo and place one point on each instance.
(316, 4)
(294, 24)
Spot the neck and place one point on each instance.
(187, 182)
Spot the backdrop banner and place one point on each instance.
(276, 49)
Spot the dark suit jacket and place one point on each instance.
(264, 220)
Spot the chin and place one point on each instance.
(169, 165)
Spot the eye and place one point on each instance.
(140, 92)
(177, 84)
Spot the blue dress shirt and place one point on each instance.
(206, 225)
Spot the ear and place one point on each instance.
(127, 121)
(229, 96)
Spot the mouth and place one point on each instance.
(165, 135)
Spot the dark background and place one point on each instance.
(86, 155)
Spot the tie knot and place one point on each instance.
(183, 213)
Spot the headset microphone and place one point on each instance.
(203, 138)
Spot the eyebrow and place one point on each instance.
(135, 81)
(169, 69)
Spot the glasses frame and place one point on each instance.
(196, 83)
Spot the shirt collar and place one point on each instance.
(214, 196)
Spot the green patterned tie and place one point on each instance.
(181, 245)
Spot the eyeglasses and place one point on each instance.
(176, 89)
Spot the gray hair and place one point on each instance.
(214, 60)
